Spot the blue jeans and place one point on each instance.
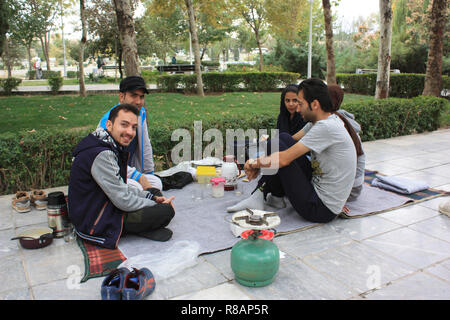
(294, 182)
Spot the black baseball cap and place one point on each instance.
(132, 83)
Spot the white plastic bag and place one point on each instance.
(181, 255)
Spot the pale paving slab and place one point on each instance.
(419, 286)
(298, 281)
(437, 227)
(199, 277)
(311, 241)
(225, 291)
(355, 264)
(441, 270)
(412, 247)
(409, 215)
(69, 289)
(362, 228)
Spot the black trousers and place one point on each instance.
(294, 182)
(148, 218)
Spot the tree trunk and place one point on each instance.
(384, 53)
(45, 43)
(127, 34)
(6, 57)
(195, 44)
(82, 45)
(433, 76)
(331, 66)
(30, 64)
(258, 43)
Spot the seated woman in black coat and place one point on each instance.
(289, 120)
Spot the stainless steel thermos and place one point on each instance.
(57, 213)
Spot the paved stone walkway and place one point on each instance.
(402, 254)
(74, 89)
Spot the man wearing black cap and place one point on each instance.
(141, 166)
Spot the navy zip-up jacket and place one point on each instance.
(98, 194)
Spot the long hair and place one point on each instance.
(284, 122)
(337, 95)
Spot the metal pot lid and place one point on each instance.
(256, 219)
(35, 233)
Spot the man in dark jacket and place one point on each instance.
(101, 204)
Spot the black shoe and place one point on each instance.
(163, 234)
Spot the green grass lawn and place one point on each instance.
(70, 111)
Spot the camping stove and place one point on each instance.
(255, 260)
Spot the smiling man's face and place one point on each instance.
(123, 129)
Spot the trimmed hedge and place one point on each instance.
(227, 81)
(42, 159)
(9, 84)
(45, 74)
(402, 85)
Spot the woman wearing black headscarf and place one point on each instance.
(289, 120)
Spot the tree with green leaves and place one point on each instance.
(160, 34)
(255, 15)
(191, 8)
(101, 24)
(24, 26)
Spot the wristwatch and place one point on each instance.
(251, 162)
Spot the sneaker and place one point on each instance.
(21, 202)
(139, 283)
(112, 285)
(444, 208)
(39, 199)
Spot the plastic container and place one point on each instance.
(217, 187)
(205, 173)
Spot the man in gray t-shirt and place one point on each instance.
(333, 160)
(317, 189)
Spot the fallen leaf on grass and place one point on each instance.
(63, 118)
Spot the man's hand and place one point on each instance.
(144, 182)
(164, 200)
(250, 172)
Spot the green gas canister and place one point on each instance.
(255, 259)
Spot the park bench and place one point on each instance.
(374, 71)
(177, 68)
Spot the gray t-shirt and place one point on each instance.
(333, 161)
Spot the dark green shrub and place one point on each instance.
(385, 118)
(73, 74)
(55, 83)
(46, 74)
(9, 84)
(401, 85)
(211, 63)
(228, 81)
(39, 159)
(241, 67)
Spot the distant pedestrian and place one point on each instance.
(37, 67)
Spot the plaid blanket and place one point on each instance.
(98, 262)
